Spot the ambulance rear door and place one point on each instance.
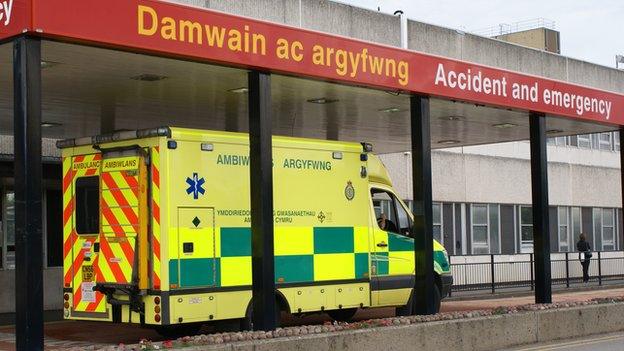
(123, 240)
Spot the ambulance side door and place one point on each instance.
(392, 262)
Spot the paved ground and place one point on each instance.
(606, 342)
(64, 334)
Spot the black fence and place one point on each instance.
(499, 272)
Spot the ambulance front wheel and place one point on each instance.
(247, 321)
(410, 308)
(342, 315)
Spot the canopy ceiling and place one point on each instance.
(82, 85)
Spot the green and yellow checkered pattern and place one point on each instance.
(302, 254)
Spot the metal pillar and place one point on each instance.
(539, 186)
(28, 193)
(261, 178)
(423, 296)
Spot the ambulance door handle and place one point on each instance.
(187, 248)
(382, 244)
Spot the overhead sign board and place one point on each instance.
(183, 31)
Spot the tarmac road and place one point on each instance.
(605, 342)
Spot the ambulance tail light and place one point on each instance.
(157, 300)
(157, 318)
(66, 297)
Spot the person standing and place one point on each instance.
(585, 255)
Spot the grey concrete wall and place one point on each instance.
(477, 178)
(491, 52)
(355, 22)
(320, 15)
(479, 334)
(48, 146)
(52, 287)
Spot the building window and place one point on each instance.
(584, 141)
(437, 222)
(608, 229)
(564, 229)
(526, 229)
(616, 141)
(485, 228)
(577, 226)
(606, 141)
(8, 230)
(88, 205)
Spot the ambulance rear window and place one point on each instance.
(88, 205)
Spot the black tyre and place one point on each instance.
(437, 295)
(406, 310)
(178, 330)
(409, 309)
(342, 315)
(247, 321)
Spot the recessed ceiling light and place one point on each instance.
(149, 77)
(448, 142)
(322, 101)
(390, 110)
(50, 124)
(241, 90)
(452, 118)
(554, 131)
(48, 64)
(504, 125)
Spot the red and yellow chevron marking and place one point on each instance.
(120, 224)
(155, 170)
(77, 247)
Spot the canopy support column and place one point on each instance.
(423, 294)
(539, 186)
(261, 178)
(28, 193)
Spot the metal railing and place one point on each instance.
(500, 272)
(508, 28)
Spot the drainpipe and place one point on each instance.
(403, 19)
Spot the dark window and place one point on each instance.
(88, 205)
(54, 228)
(391, 216)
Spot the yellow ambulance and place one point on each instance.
(157, 229)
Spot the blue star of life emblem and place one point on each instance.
(196, 186)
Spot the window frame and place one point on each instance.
(603, 226)
(76, 207)
(566, 225)
(608, 145)
(573, 233)
(584, 138)
(525, 245)
(5, 244)
(473, 243)
(440, 223)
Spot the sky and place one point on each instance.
(591, 30)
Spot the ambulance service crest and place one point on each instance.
(349, 191)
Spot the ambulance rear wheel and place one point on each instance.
(342, 315)
(179, 330)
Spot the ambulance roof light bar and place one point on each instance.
(116, 136)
